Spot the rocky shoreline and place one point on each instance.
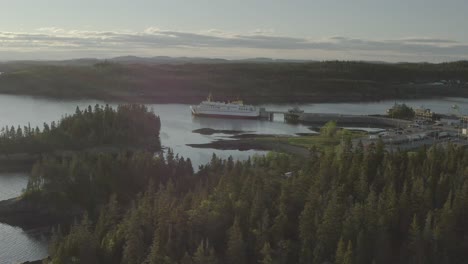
(211, 131)
(39, 261)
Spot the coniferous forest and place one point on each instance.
(131, 125)
(255, 82)
(343, 205)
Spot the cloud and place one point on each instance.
(261, 31)
(155, 41)
(429, 40)
(51, 29)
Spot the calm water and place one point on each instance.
(437, 105)
(15, 244)
(176, 132)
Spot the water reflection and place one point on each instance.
(250, 126)
(17, 245)
(441, 105)
(12, 184)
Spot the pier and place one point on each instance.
(264, 114)
(342, 119)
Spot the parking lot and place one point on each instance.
(418, 134)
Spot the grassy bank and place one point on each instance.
(319, 141)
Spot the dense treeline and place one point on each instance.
(86, 180)
(127, 125)
(346, 205)
(254, 82)
(401, 111)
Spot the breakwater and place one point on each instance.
(363, 120)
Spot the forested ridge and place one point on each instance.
(129, 125)
(281, 82)
(344, 205)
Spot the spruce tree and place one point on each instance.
(134, 248)
(415, 242)
(340, 252)
(348, 257)
(235, 251)
(266, 254)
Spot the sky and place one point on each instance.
(373, 30)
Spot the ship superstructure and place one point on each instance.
(235, 109)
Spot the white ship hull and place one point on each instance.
(225, 110)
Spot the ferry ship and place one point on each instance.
(235, 109)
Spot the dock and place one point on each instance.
(353, 120)
(341, 119)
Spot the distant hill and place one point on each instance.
(165, 60)
(147, 60)
(259, 80)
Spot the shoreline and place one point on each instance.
(253, 144)
(256, 100)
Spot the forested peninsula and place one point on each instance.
(255, 82)
(99, 128)
(70, 162)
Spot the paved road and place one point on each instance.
(427, 142)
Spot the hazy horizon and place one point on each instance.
(181, 59)
(396, 31)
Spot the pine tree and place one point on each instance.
(186, 259)
(204, 254)
(280, 223)
(134, 249)
(108, 217)
(261, 233)
(328, 233)
(415, 243)
(363, 253)
(307, 228)
(235, 252)
(156, 256)
(199, 256)
(348, 257)
(340, 252)
(266, 254)
(54, 244)
(428, 237)
(19, 132)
